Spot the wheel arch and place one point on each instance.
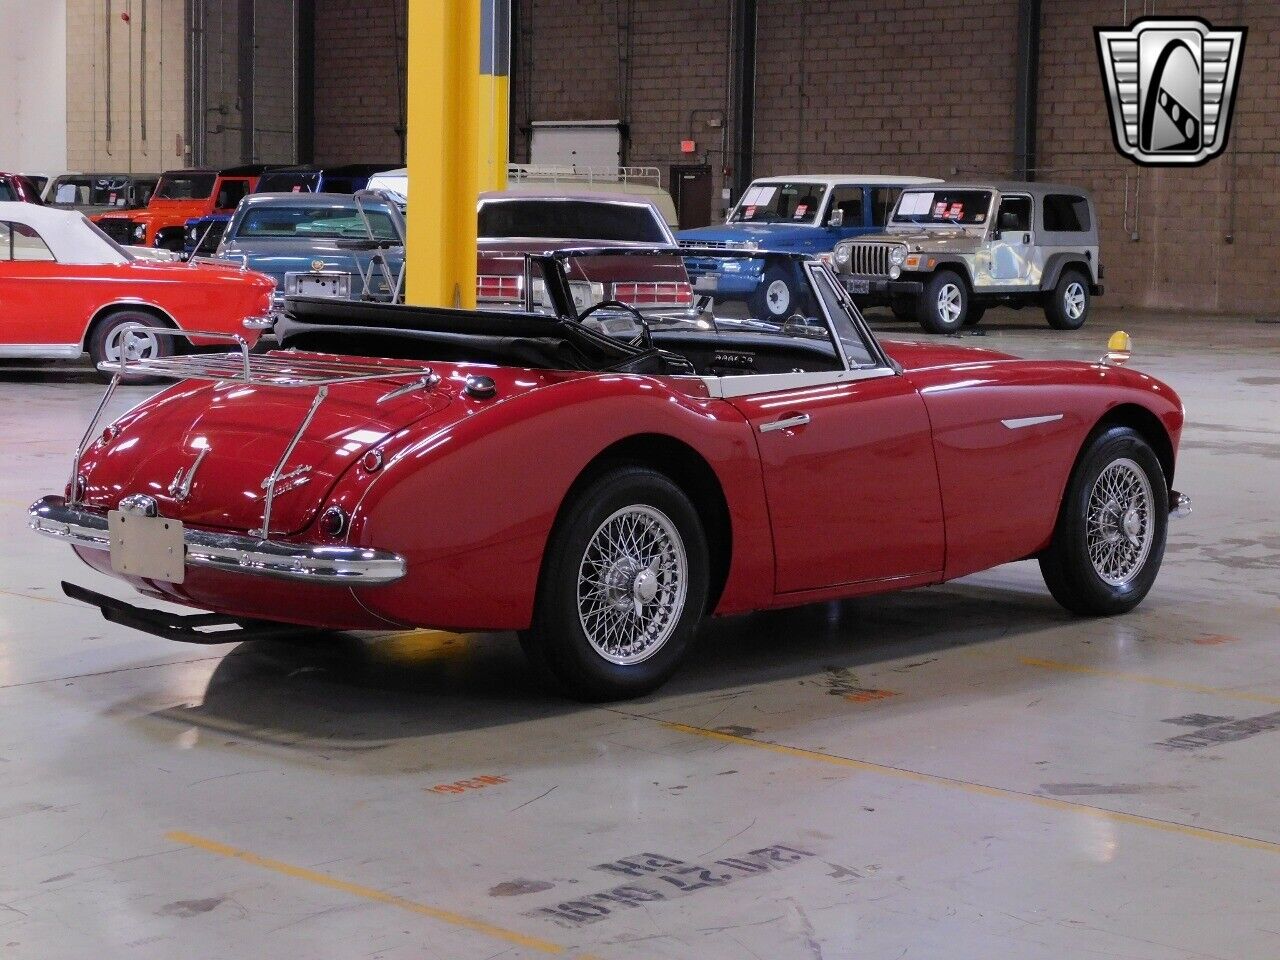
(122, 306)
(1147, 425)
(691, 472)
(1059, 262)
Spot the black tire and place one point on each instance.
(101, 340)
(1068, 570)
(904, 308)
(973, 316)
(557, 642)
(775, 297)
(930, 308)
(1067, 306)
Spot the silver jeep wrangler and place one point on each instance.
(950, 251)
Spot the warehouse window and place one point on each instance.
(1066, 213)
(20, 242)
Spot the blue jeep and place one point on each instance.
(786, 214)
(319, 244)
(207, 231)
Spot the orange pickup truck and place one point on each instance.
(180, 196)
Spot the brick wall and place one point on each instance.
(902, 86)
(359, 67)
(89, 148)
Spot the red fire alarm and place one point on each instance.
(688, 146)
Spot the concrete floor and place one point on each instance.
(961, 772)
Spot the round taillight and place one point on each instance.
(333, 522)
(372, 461)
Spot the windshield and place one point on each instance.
(185, 186)
(289, 183)
(955, 207)
(797, 202)
(325, 222)
(571, 220)
(90, 192)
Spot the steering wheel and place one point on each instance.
(645, 339)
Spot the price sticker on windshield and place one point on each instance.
(801, 210)
(940, 208)
(956, 211)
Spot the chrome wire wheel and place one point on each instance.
(632, 583)
(1073, 300)
(135, 345)
(1119, 527)
(950, 302)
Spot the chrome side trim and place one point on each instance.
(1017, 423)
(725, 387)
(41, 351)
(234, 553)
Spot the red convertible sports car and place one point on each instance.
(601, 492)
(66, 288)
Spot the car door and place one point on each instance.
(848, 464)
(1012, 241)
(33, 315)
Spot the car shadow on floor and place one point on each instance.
(346, 698)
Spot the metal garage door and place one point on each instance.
(586, 143)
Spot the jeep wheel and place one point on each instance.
(974, 316)
(904, 308)
(943, 306)
(1068, 305)
(774, 298)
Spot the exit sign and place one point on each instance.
(688, 146)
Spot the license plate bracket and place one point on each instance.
(857, 284)
(333, 285)
(148, 547)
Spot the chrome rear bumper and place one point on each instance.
(1179, 505)
(234, 553)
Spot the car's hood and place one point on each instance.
(917, 355)
(769, 236)
(940, 241)
(237, 433)
(164, 211)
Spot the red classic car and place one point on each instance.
(402, 466)
(514, 223)
(67, 288)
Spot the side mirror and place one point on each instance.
(837, 218)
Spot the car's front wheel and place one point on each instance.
(109, 341)
(944, 304)
(1110, 536)
(623, 586)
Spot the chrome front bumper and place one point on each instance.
(234, 553)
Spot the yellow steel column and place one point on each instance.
(454, 148)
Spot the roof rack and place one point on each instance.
(568, 173)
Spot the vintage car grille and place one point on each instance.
(870, 259)
(118, 229)
(717, 244)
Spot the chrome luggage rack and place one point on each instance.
(244, 367)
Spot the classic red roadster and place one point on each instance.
(600, 481)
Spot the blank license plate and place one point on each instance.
(149, 547)
(857, 285)
(323, 285)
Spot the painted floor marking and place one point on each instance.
(1148, 680)
(369, 893)
(32, 596)
(981, 789)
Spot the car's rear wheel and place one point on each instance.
(108, 341)
(1067, 307)
(973, 316)
(943, 305)
(624, 584)
(1110, 536)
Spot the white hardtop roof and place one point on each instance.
(830, 179)
(67, 234)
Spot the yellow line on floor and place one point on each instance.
(369, 893)
(981, 789)
(32, 596)
(1148, 680)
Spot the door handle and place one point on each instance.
(786, 423)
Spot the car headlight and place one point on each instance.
(897, 255)
(139, 231)
(842, 254)
(751, 245)
(895, 272)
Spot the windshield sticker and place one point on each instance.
(940, 208)
(914, 204)
(765, 196)
(66, 193)
(112, 200)
(956, 211)
(297, 188)
(801, 210)
(749, 213)
(979, 217)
